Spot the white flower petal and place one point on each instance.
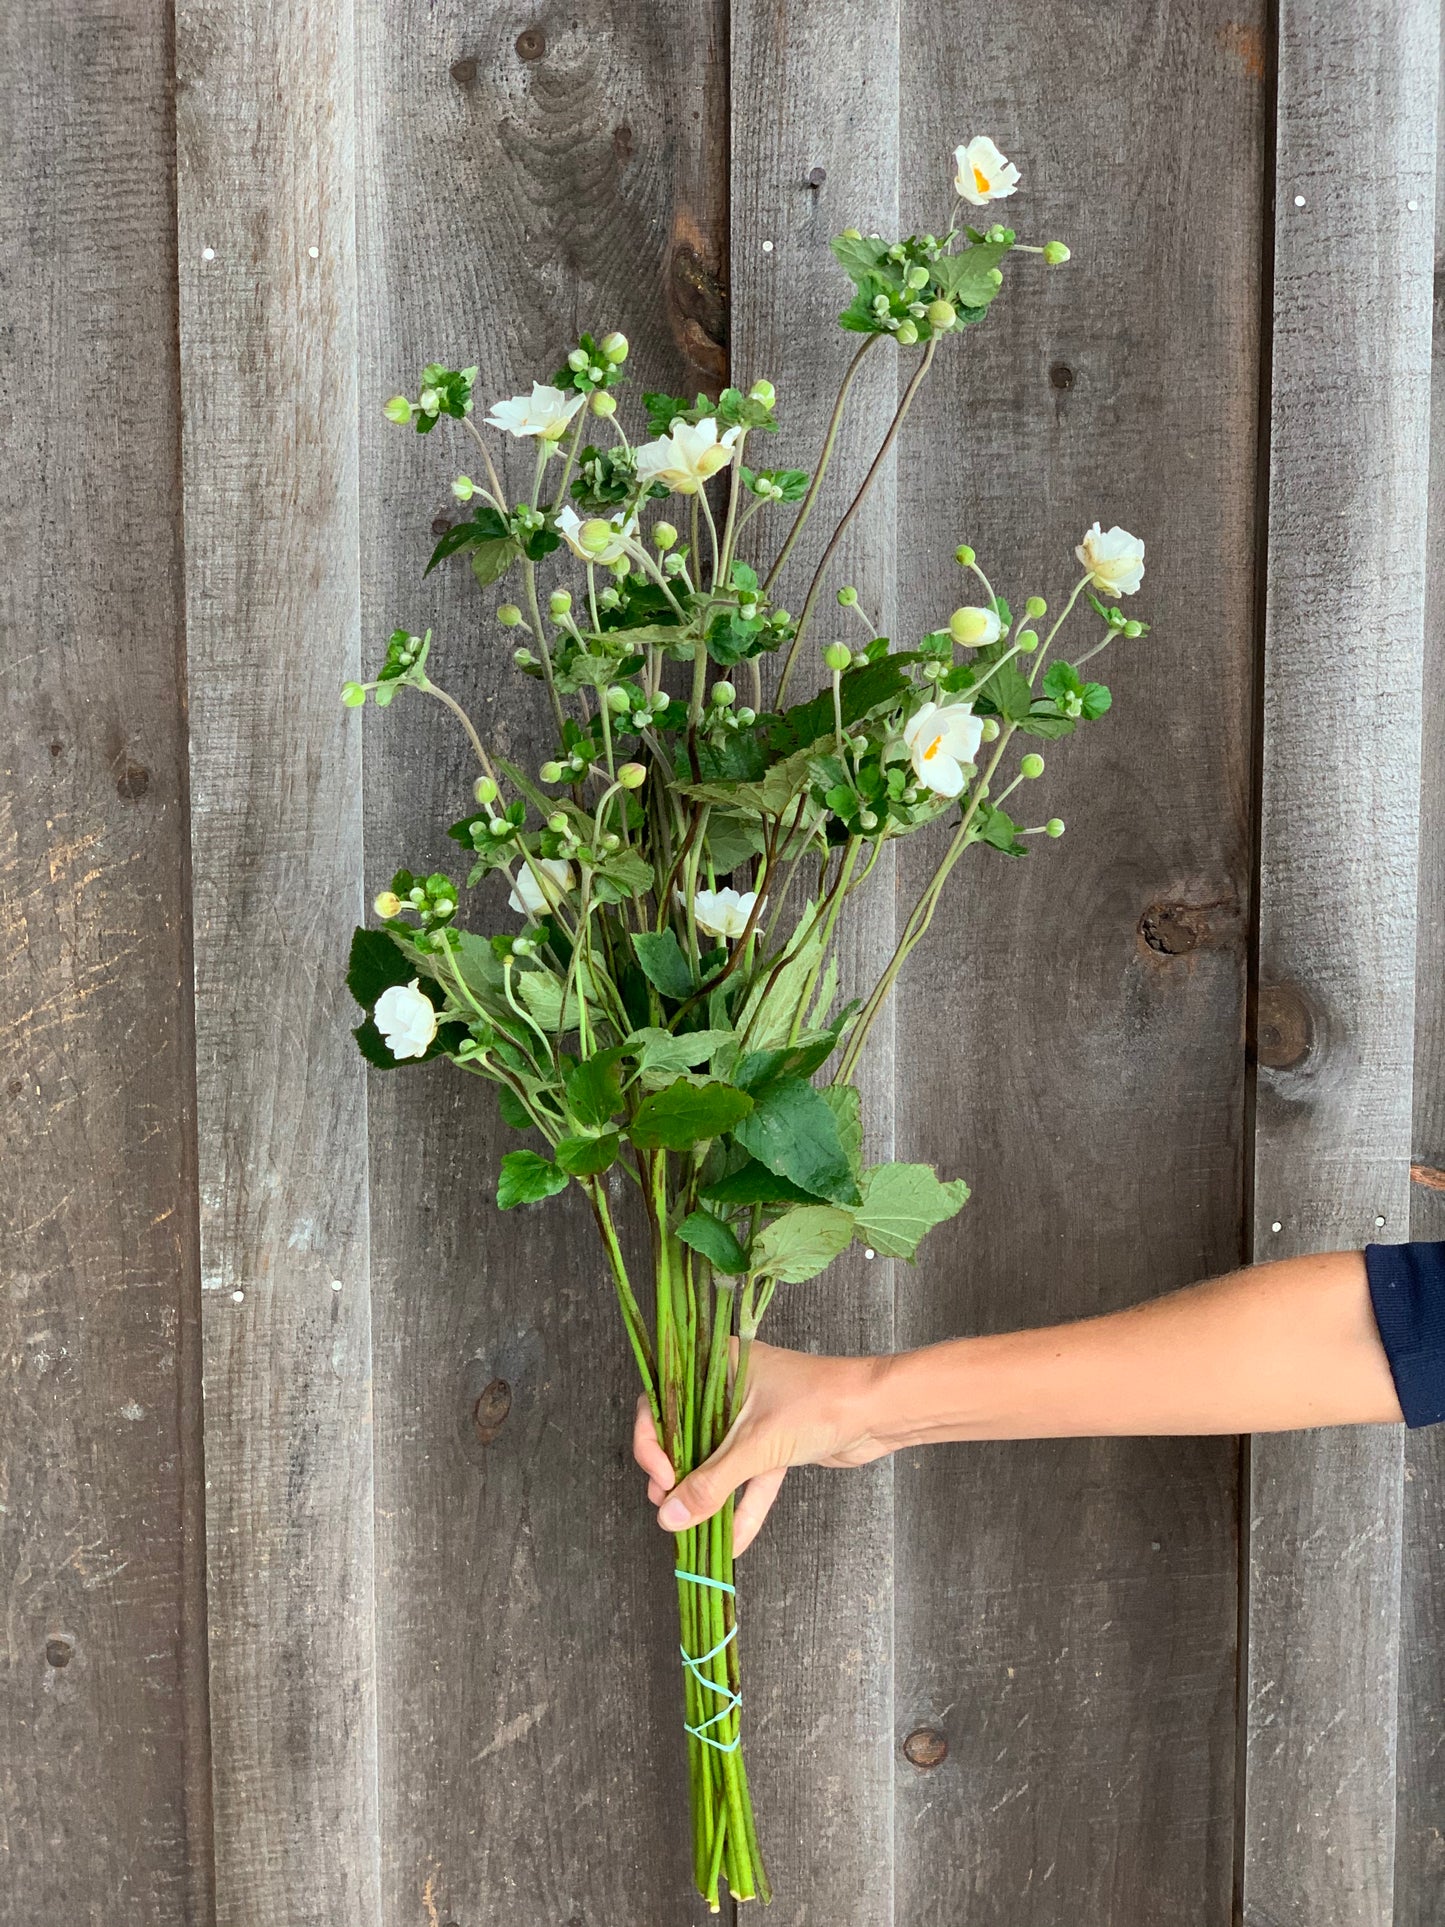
(528, 896)
(1114, 559)
(406, 1018)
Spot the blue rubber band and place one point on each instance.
(731, 1700)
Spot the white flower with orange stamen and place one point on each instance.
(941, 739)
(984, 174)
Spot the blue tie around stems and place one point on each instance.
(731, 1700)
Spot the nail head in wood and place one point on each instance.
(926, 1748)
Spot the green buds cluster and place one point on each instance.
(593, 366)
(443, 391)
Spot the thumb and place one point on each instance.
(704, 1492)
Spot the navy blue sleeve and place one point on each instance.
(1407, 1290)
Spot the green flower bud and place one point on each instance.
(746, 716)
(972, 626)
(485, 790)
(1054, 826)
(604, 405)
(500, 827)
(780, 619)
(578, 360)
(523, 946)
(850, 234)
(1031, 765)
(558, 823)
(621, 568)
(860, 658)
(906, 334)
(990, 729)
(858, 745)
(932, 670)
(837, 656)
(764, 392)
(614, 346)
(595, 534)
(963, 555)
(632, 776)
(464, 488)
(1133, 628)
(523, 658)
(847, 597)
(618, 700)
(388, 904)
(724, 695)
(398, 409)
(663, 535)
(1055, 253)
(353, 695)
(550, 772)
(941, 314)
(641, 718)
(917, 277)
(611, 843)
(1027, 640)
(429, 401)
(559, 603)
(509, 615)
(996, 276)
(1036, 607)
(867, 820)
(673, 565)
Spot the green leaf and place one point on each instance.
(731, 840)
(846, 1104)
(860, 693)
(1097, 701)
(1062, 679)
(801, 1243)
(715, 1240)
(594, 1087)
(901, 1205)
(661, 957)
(527, 1178)
(662, 1055)
(513, 1110)
(967, 277)
(754, 1183)
(792, 1129)
(1042, 722)
(491, 560)
(998, 829)
(1009, 693)
(621, 877)
(766, 1017)
(586, 1157)
(686, 1114)
(858, 255)
(376, 963)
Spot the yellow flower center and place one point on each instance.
(933, 748)
(980, 180)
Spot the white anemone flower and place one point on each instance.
(983, 173)
(545, 412)
(724, 913)
(683, 460)
(407, 1019)
(570, 526)
(530, 895)
(1115, 560)
(941, 738)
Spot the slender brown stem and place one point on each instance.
(825, 455)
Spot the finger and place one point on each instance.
(702, 1493)
(754, 1506)
(647, 1448)
(655, 1492)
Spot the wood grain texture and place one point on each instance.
(1348, 455)
(268, 360)
(1420, 1750)
(104, 1781)
(526, 174)
(814, 150)
(1067, 1611)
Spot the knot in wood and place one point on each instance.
(926, 1748)
(531, 43)
(59, 1651)
(1284, 1028)
(489, 1414)
(1174, 929)
(464, 71)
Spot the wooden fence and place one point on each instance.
(329, 1595)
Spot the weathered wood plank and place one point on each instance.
(525, 176)
(814, 150)
(1349, 422)
(268, 358)
(1067, 1612)
(1420, 1750)
(104, 1780)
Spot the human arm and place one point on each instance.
(1273, 1347)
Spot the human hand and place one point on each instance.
(797, 1409)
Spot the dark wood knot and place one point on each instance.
(489, 1414)
(926, 1748)
(59, 1651)
(1174, 929)
(464, 71)
(1061, 375)
(133, 782)
(531, 43)
(1284, 1028)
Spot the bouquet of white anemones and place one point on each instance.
(665, 1015)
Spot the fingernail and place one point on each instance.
(672, 1516)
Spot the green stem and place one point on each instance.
(825, 455)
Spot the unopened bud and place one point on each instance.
(1031, 765)
(990, 729)
(1027, 640)
(941, 314)
(614, 346)
(673, 565)
(996, 276)
(963, 555)
(578, 360)
(595, 534)
(604, 405)
(618, 700)
(1133, 628)
(764, 392)
(523, 658)
(724, 695)
(559, 603)
(1036, 607)
(557, 823)
(1054, 826)
(747, 716)
(429, 401)
(1055, 253)
(847, 597)
(509, 615)
(850, 234)
(972, 626)
(860, 659)
(550, 772)
(611, 842)
(353, 695)
(464, 488)
(917, 277)
(837, 656)
(663, 535)
(485, 790)
(388, 904)
(398, 409)
(867, 820)
(907, 334)
(632, 776)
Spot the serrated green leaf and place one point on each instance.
(662, 1055)
(527, 1178)
(754, 1183)
(901, 1205)
(594, 1087)
(513, 1110)
(966, 278)
(715, 1240)
(793, 1130)
(662, 959)
(768, 1011)
(588, 1157)
(801, 1243)
(686, 1114)
(491, 560)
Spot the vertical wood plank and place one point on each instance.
(526, 174)
(1349, 422)
(1067, 1611)
(268, 359)
(1420, 1753)
(104, 1780)
(814, 150)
